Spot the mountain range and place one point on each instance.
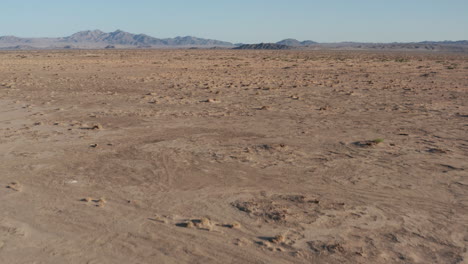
(120, 37)
(100, 39)
(97, 39)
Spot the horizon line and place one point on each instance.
(239, 42)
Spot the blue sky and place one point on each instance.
(243, 20)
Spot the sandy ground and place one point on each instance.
(191, 156)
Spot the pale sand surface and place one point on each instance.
(192, 156)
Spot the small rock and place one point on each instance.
(323, 108)
(235, 225)
(210, 101)
(15, 186)
(101, 202)
(278, 239)
(97, 126)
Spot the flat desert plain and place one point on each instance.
(223, 156)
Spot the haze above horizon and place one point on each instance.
(244, 21)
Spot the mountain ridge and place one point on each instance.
(296, 43)
(120, 37)
(97, 39)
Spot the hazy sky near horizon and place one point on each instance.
(246, 21)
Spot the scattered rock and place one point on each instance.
(100, 202)
(368, 143)
(241, 242)
(436, 151)
(15, 186)
(203, 223)
(234, 225)
(278, 239)
(93, 127)
(189, 224)
(210, 101)
(324, 108)
(320, 247)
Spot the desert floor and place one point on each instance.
(221, 156)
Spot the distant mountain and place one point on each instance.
(459, 42)
(263, 46)
(18, 47)
(118, 39)
(97, 39)
(427, 46)
(193, 41)
(13, 39)
(295, 42)
(86, 36)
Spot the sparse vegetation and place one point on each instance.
(378, 140)
(401, 60)
(188, 147)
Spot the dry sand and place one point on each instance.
(196, 156)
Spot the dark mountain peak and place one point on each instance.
(295, 43)
(194, 41)
(289, 42)
(308, 42)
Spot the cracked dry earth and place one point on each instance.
(219, 156)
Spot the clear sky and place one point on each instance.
(246, 21)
